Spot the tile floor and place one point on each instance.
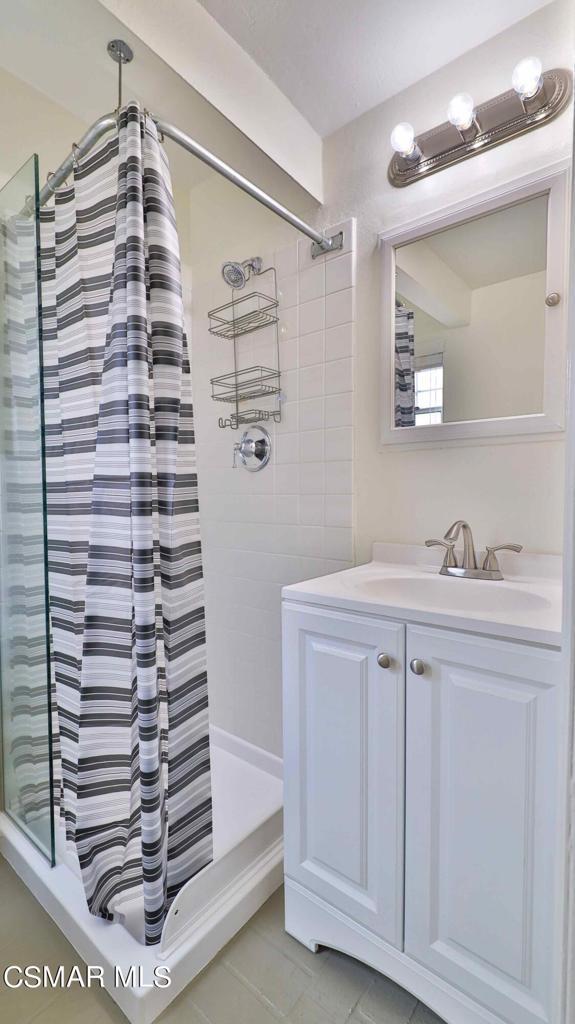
(261, 977)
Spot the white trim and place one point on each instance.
(260, 758)
(315, 923)
(566, 967)
(553, 180)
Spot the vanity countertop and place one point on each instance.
(403, 582)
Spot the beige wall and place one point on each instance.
(31, 123)
(494, 365)
(506, 490)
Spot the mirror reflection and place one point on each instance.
(470, 319)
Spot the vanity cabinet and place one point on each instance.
(344, 764)
(461, 760)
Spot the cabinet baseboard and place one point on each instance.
(314, 923)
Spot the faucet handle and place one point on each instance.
(450, 561)
(490, 561)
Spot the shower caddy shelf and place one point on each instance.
(242, 316)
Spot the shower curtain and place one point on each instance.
(125, 563)
(404, 375)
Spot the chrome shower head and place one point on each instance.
(237, 274)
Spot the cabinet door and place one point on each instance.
(481, 784)
(344, 763)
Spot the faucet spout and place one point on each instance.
(469, 556)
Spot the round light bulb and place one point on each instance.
(526, 77)
(402, 139)
(461, 111)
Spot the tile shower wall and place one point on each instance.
(294, 519)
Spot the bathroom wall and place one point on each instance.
(32, 123)
(292, 520)
(509, 490)
(493, 366)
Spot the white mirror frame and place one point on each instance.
(554, 182)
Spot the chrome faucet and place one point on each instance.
(468, 569)
(469, 556)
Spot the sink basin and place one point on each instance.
(453, 594)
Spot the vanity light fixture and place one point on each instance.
(527, 78)
(461, 111)
(536, 98)
(403, 141)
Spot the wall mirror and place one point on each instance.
(474, 339)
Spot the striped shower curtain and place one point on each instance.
(125, 564)
(404, 373)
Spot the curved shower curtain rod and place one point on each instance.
(108, 122)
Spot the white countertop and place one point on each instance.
(403, 582)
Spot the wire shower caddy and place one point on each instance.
(242, 316)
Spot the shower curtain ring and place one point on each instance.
(76, 153)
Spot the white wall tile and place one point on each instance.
(339, 410)
(290, 418)
(286, 479)
(311, 349)
(311, 414)
(312, 477)
(340, 273)
(312, 315)
(339, 444)
(311, 509)
(287, 448)
(290, 385)
(288, 323)
(311, 381)
(285, 260)
(338, 510)
(304, 256)
(312, 283)
(288, 354)
(340, 307)
(286, 508)
(339, 341)
(293, 521)
(338, 376)
(337, 542)
(339, 477)
(288, 291)
(311, 446)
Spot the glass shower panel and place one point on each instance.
(24, 663)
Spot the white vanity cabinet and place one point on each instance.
(461, 760)
(344, 763)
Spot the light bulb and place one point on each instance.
(461, 111)
(402, 139)
(526, 77)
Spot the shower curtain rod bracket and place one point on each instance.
(320, 248)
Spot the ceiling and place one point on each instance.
(336, 59)
(59, 49)
(497, 247)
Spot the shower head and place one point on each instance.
(237, 274)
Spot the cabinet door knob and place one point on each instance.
(417, 666)
(383, 660)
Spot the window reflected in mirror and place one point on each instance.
(470, 319)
